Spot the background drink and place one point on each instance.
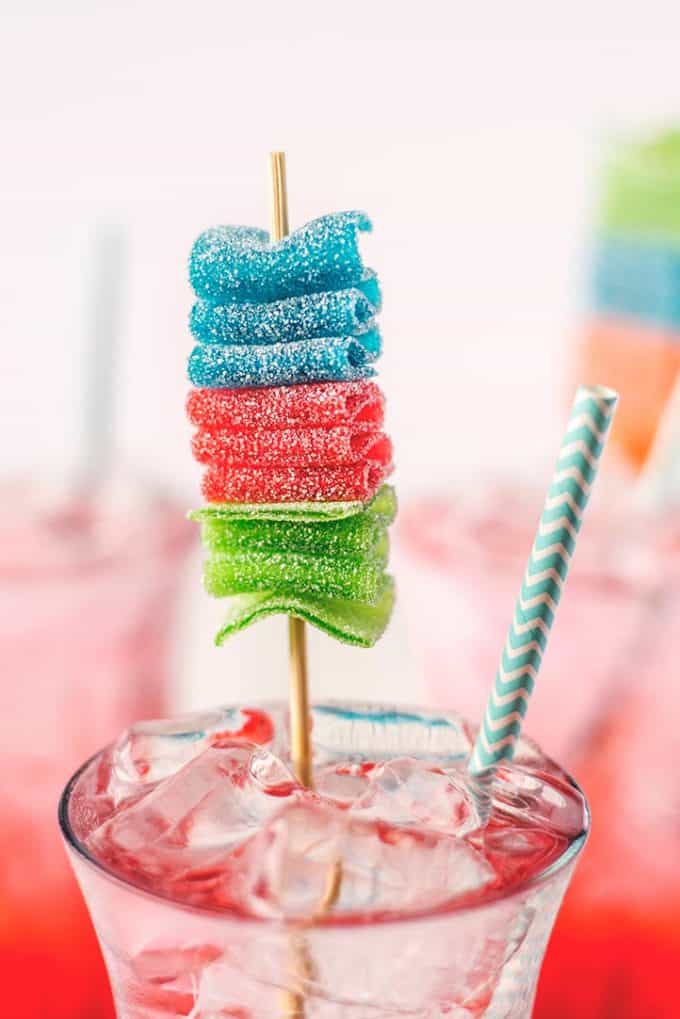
(433, 916)
(630, 884)
(607, 702)
(460, 555)
(86, 601)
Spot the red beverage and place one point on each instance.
(85, 611)
(220, 856)
(629, 885)
(608, 704)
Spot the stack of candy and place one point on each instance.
(634, 335)
(289, 427)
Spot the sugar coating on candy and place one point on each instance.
(304, 447)
(318, 405)
(339, 561)
(357, 482)
(332, 313)
(351, 622)
(370, 288)
(382, 507)
(237, 263)
(291, 511)
(344, 558)
(326, 359)
(290, 429)
(358, 577)
(362, 533)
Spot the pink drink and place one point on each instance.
(205, 867)
(461, 557)
(85, 608)
(629, 886)
(608, 700)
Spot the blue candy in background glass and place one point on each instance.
(636, 278)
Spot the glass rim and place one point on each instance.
(604, 574)
(449, 908)
(169, 535)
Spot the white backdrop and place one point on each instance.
(471, 139)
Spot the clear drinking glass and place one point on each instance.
(171, 952)
(87, 591)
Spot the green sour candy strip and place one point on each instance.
(322, 562)
(347, 621)
(382, 506)
(361, 533)
(357, 577)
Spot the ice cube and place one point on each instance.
(184, 826)
(166, 964)
(150, 751)
(378, 733)
(310, 848)
(525, 797)
(343, 784)
(405, 791)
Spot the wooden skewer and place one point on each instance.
(293, 1001)
(297, 637)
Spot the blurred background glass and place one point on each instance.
(88, 585)
(523, 188)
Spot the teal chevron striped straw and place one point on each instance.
(546, 572)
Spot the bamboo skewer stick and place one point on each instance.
(293, 1001)
(297, 637)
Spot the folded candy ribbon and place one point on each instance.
(350, 578)
(327, 528)
(319, 405)
(290, 429)
(331, 358)
(350, 622)
(254, 455)
(289, 559)
(348, 483)
(334, 313)
(237, 263)
(293, 447)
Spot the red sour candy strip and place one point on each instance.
(320, 405)
(289, 447)
(357, 482)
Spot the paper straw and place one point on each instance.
(577, 464)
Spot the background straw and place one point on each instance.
(107, 256)
(577, 464)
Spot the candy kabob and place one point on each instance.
(290, 430)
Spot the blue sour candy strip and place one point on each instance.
(329, 359)
(330, 313)
(236, 263)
